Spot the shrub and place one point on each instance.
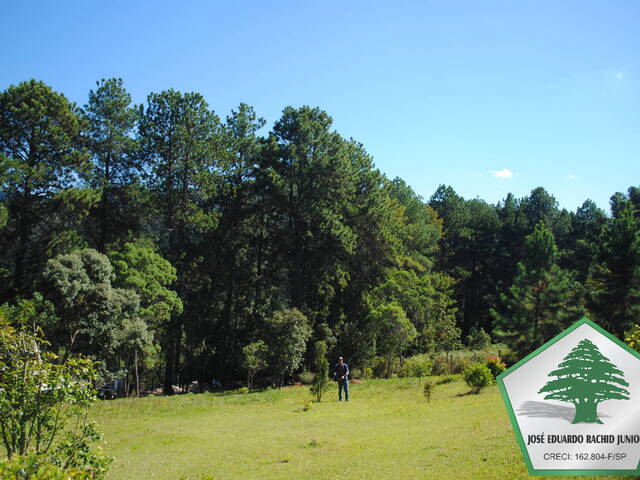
(44, 404)
(306, 377)
(477, 376)
(458, 365)
(378, 367)
(439, 366)
(367, 373)
(34, 467)
(416, 366)
(429, 387)
(495, 365)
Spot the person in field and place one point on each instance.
(341, 375)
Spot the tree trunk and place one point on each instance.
(586, 412)
(135, 353)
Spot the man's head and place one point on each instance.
(340, 360)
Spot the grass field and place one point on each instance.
(386, 431)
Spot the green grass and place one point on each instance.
(386, 431)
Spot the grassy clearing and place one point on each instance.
(387, 431)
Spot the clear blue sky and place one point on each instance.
(438, 92)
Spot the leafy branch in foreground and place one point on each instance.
(44, 405)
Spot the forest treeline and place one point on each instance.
(164, 240)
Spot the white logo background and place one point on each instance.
(536, 416)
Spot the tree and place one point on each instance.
(40, 158)
(136, 345)
(321, 381)
(255, 359)
(614, 283)
(111, 119)
(91, 309)
(44, 403)
(586, 378)
(182, 155)
(542, 300)
(395, 331)
(139, 267)
(286, 334)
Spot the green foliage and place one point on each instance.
(4, 215)
(93, 310)
(321, 382)
(44, 404)
(586, 378)
(110, 120)
(255, 359)
(286, 335)
(40, 157)
(395, 331)
(34, 467)
(614, 281)
(306, 377)
(139, 267)
(495, 365)
(543, 300)
(633, 337)
(478, 339)
(416, 366)
(477, 376)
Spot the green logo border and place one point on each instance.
(512, 416)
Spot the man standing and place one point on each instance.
(341, 375)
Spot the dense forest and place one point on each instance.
(164, 240)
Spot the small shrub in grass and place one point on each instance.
(306, 405)
(477, 376)
(243, 390)
(429, 387)
(367, 373)
(495, 365)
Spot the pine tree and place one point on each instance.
(586, 378)
(543, 300)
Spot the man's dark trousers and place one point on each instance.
(343, 385)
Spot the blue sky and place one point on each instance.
(489, 97)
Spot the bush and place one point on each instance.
(439, 366)
(367, 373)
(477, 376)
(379, 366)
(416, 366)
(306, 377)
(34, 467)
(495, 365)
(459, 364)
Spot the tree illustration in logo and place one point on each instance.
(585, 378)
